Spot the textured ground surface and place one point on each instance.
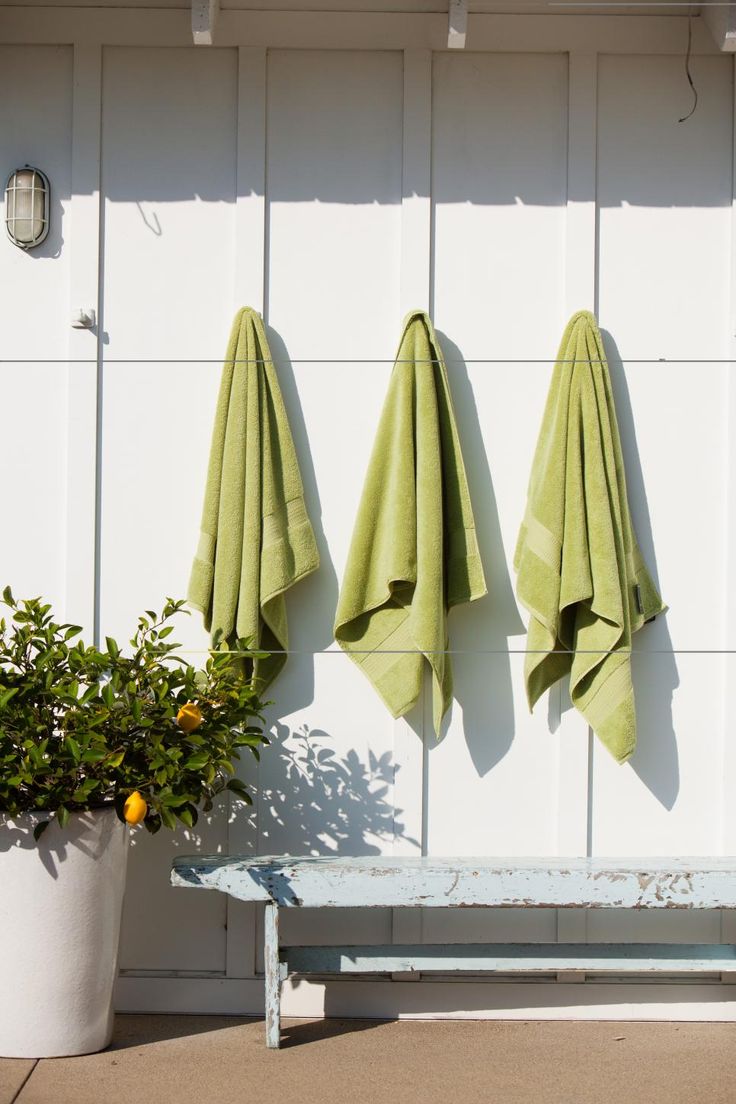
(191, 1059)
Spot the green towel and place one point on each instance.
(414, 552)
(580, 572)
(256, 540)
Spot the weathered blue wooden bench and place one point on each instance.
(376, 882)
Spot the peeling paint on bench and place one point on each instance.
(376, 882)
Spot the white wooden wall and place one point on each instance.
(334, 187)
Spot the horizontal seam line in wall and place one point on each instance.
(460, 651)
(352, 360)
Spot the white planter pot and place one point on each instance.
(60, 906)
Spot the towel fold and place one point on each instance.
(256, 539)
(581, 575)
(414, 552)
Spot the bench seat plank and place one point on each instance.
(388, 882)
(514, 958)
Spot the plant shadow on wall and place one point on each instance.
(655, 675)
(483, 682)
(313, 800)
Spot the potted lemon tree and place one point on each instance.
(92, 742)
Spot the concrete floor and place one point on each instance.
(223, 1060)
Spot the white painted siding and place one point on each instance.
(334, 188)
(35, 128)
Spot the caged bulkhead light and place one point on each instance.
(27, 202)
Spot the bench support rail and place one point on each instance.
(514, 958)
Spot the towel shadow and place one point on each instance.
(483, 684)
(655, 675)
(311, 604)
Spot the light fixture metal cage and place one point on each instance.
(27, 204)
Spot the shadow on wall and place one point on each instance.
(334, 127)
(314, 801)
(655, 676)
(312, 602)
(483, 682)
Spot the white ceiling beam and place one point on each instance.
(721, 21)
(204, 21)
(457, 26)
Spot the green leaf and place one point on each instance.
(74, 748)
(62, 814)
(175, 801)
(8, 695)
(94, 755)
(197, 761)
(82, 792)
(167, 817)
(240, 790)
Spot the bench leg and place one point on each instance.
(272, 968)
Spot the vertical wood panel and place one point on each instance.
(169, 185)
(36, 91)
(499, 191)
(249, 290)
(728, 744)
(334, 191)
(498, 195)
(82, 413)
(665, 193)
(409, 732)
(250, 203)
(580, 244)
(575, 739)
(416, 181)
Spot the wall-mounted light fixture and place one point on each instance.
(27, 201)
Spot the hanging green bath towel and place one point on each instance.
(256, 540)
(580, 572)
(414, 552)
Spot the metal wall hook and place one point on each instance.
(84, 319)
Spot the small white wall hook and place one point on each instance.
(83, 318)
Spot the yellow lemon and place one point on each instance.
(135, 808)
(189, 717)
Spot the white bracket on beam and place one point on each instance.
(457, 27)
(721, 21)
(204, 20)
